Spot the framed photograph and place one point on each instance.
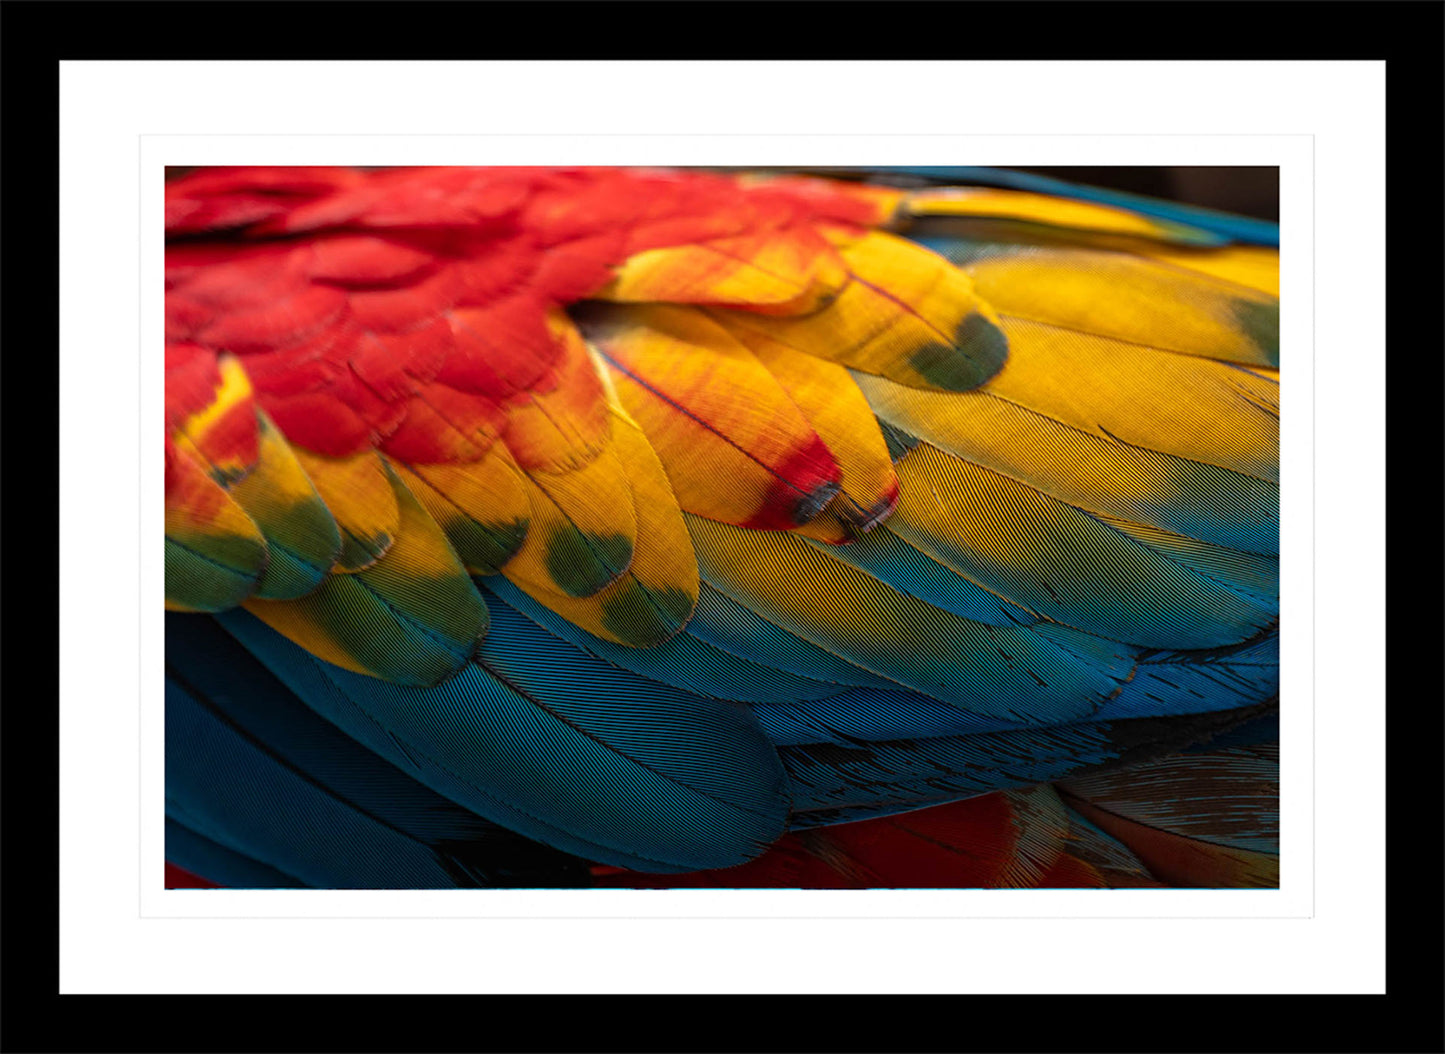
(725, 525)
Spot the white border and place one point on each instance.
(1293, 899)
(1320, 935)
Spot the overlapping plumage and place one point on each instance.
(683, 521)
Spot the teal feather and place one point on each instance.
(834, 783)
(225, 867)
(686, 661)
(562, 747)
(737, 630)
(253, 769)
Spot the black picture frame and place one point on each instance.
(37, 36)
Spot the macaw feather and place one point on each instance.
(776, 272)
(561, 747)
(834, 605)
(482, 506)
(1120, 295)
(847, 716)
(738, 630)
(991, 841)
(1113, 861)
(413, 616)
(652, 598)
(835, 408)
(712, 411)
(252, 769)
(1056, 560)
(1189, 682)
(832, 783)
(226, 197)
(684, 661)
(1180, 391)
(918, 571)
(215, 554)
(907, 315)
(222, 779)
(559, 423)
(1101, 474)
(582, 529)
(1252, 266)
(982, 205)
(359, 494)
(302, 539)
(1237, 228)
(222, 865)
(222, 434)
(1208, 819)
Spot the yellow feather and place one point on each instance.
(482, 505)
(411, 617)
(233, 392)
(582, 531)
(359, 494)
(1253, 266)
(1133, 299)
(215, 553)
(907, 315)
(653, 598)
(838, 412)
(304, 539)
(783, 272)
(981, 203)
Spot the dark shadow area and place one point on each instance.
(1244, 190)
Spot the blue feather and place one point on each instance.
(214, 862)
(562, 747)
(1167, 683)
(242, 752)
(686, 661)
(733, 628)
(890, 558)
(866, 714)
(1041, 674)
(234, 791)
(834, 783)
